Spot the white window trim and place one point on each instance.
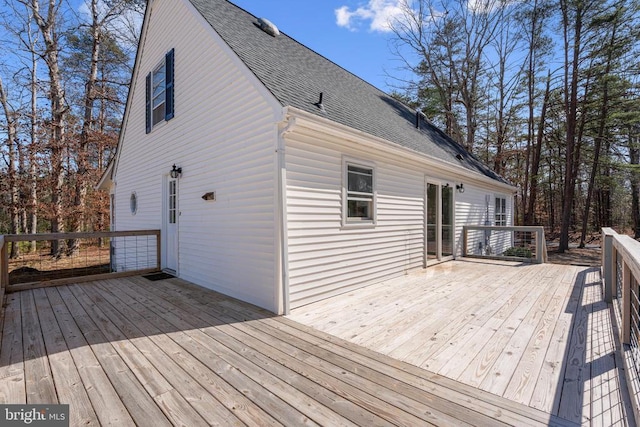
(355, 223)
(495, 210)
(161, 65)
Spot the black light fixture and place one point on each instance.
(460, 188)
(175, 172)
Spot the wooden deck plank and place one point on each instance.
(381, 322)
(319, 396)
(139, 403)
(169, 350)
(537, 338)
(481, 366)
(546, 396)
(289, 337)
(224, 406)
(66, 377)
(105, 400)
(175, 406)
(436, 337)
(454, 359)
(576, 373)
(153, 347)
(270, 392)
(38, 377)
(527, 315)
(524, 378)
(408, 328)
(12, 381)
(136, 308)
(321, 371)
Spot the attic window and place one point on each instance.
(158, 79)
(268, 27)
(159, 92)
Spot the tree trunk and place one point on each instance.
(79, 204)
(537, 153)
(571, 111)
(48, 30)
(12, 138)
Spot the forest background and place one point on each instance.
(546, 92)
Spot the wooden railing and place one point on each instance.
(95, 256)
(512, 243)
(621, 282)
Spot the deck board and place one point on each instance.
(128, 351)
(537, 335)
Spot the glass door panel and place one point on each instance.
(447, 221)
(432, 221)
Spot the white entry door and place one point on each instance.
(170, 229)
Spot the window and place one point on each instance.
(501, 211)
(159, 92)
(133, 203)
(360, 194)
(173, 206)
(158, 84)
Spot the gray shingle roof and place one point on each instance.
(296, 75)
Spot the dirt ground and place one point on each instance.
(588, 256)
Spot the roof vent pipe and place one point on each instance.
(268, 27)
(419, 114)
(319, 104)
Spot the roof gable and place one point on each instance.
(297, 76)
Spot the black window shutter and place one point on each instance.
(169, 106)
(148, 104)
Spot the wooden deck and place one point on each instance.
(538, 335)
(129, 351)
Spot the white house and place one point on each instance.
(298, 179)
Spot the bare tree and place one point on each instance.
(12, 138)
(450, 39)
(47, 23)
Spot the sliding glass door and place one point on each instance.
(439, 222)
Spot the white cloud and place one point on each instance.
(379, 13)
(488, 6)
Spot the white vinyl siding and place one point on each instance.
(224, 139)
(327, 258)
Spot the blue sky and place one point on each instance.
(358, 42)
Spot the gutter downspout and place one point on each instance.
(289, 123)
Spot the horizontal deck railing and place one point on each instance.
(62, 258)
(621, 278)
(514, 243)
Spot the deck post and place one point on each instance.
(4, 264)
(607, 265)
(464, 240)
(625, 333)
(158, 251)
(539, 237)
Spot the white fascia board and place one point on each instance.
(106, 180)
(303, 119)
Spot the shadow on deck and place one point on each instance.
(133, 352)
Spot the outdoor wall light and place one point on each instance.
(460, 188)
(175, 172)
